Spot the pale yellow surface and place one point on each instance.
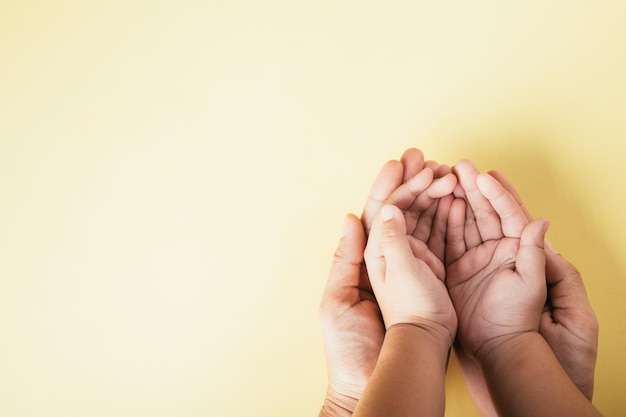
(174, 174)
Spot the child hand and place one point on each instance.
(495, 266)
(406, 288)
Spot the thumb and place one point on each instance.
(394, 243)
(347, 260)
(531, 261)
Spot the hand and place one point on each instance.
(406, 288)
(571, 330)
(351, 322)
(568, 322)
(353, 337)
(352, 326)
(495, 268)
(418, 188)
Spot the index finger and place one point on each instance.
(508, 186)
(487, 219)
(389, 178)
(511, 214)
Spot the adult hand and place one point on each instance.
(353, 331)
(351, 322)
(568, 323)
(352, 326)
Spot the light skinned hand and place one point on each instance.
(406, 288)
(495, 268)
(568, 323)
(351, 322)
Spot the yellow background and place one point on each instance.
(174, 176)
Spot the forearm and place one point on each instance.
(526, 379)
(409, 378)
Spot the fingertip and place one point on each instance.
(535, 232)
(444, 170)
(393, 166)
(348, 224)
(545, 224)
(412, 153)
(451, 178)
(484, 180)
(442, 186)
(412, 161)
(463, 164)
(433, 165)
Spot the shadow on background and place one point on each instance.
(550, 191)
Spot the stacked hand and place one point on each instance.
(495, 265)
(350, 317)
(482, 233)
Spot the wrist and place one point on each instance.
(436, 338)
(337, 405)
(500, 350)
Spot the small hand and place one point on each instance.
(406, 288)
(422, 190)
(495, 271)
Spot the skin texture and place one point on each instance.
(567, 323)
(351, 322)
(496, 278)
(409, 378)
(492, 271)
(525, 379)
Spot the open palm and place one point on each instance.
(489, 295)
(495, 296)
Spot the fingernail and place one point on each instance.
(549, 246)
(387, 213)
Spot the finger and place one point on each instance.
(395, 245)
(406, 194)
(434, 165)
(421, 251)
(442, 186)
(511, 214)
(345, 270)
(425, 222)
(437, 240)
(413, 162)
(508, 186)
(487, 219)
(471, 232)
(438, 188)
(442, 171)
(563, 280)
(458, 191)
(389, 178)
(455, 239)
(530, 262)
